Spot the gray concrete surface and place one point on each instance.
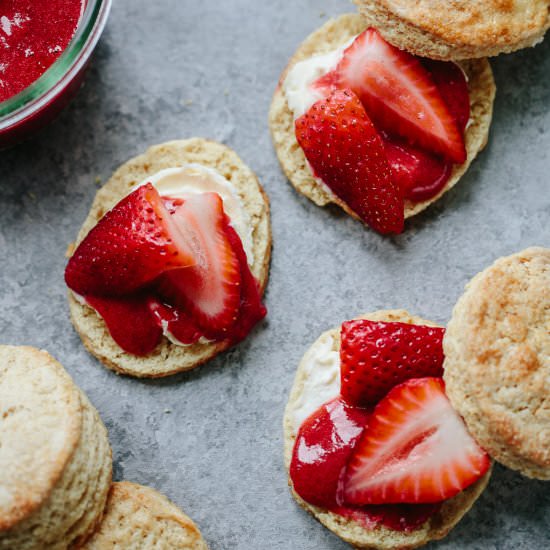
(211, 439)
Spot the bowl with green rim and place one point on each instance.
(28, 111)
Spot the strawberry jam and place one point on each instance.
(33, 34)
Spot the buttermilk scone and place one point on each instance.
(176, 169)
(497, 360)
(140, 518)
(55, 458)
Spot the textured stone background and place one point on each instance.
(178, 68)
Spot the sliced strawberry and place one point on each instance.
(176, 321)
(415, 449)
(251, 308)
(376, 356)
(419, 174)
(346, 152)
(323, 445)
(211, 290)
(130, 322)
(398, 93)
(131, 246)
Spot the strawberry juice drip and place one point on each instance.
(33, 34)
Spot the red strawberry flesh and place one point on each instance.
(131, 246)
(251, 309)
(344, 149)
(211, 290)
(375, 356)
(416, 449)
(322, 449)
(398, 93)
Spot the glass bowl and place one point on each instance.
(28, 111)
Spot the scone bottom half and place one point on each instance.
(171, 264)
(344, 135)
(367, 409)
(138, 517)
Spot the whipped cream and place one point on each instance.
(321, 383)
(299, 94)
(193, 179)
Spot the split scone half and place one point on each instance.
(458, 30)
(497, 360)
(169, 357)
(306, 395)
(332, 35)
(140, 518)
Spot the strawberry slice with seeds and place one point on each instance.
(398, 94)
(131, 246)
(415, 449)
(211, 290)
(345, 151)
(376, 356)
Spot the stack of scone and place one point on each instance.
(56, 468)
(496, 371)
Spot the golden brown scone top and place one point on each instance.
(443, 29)
(497, 366)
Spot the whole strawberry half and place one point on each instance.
(130, 246)
(415, 449)
(344, 149)
(376, 356)
(398, 93)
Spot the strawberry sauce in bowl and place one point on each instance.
(45, 47)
